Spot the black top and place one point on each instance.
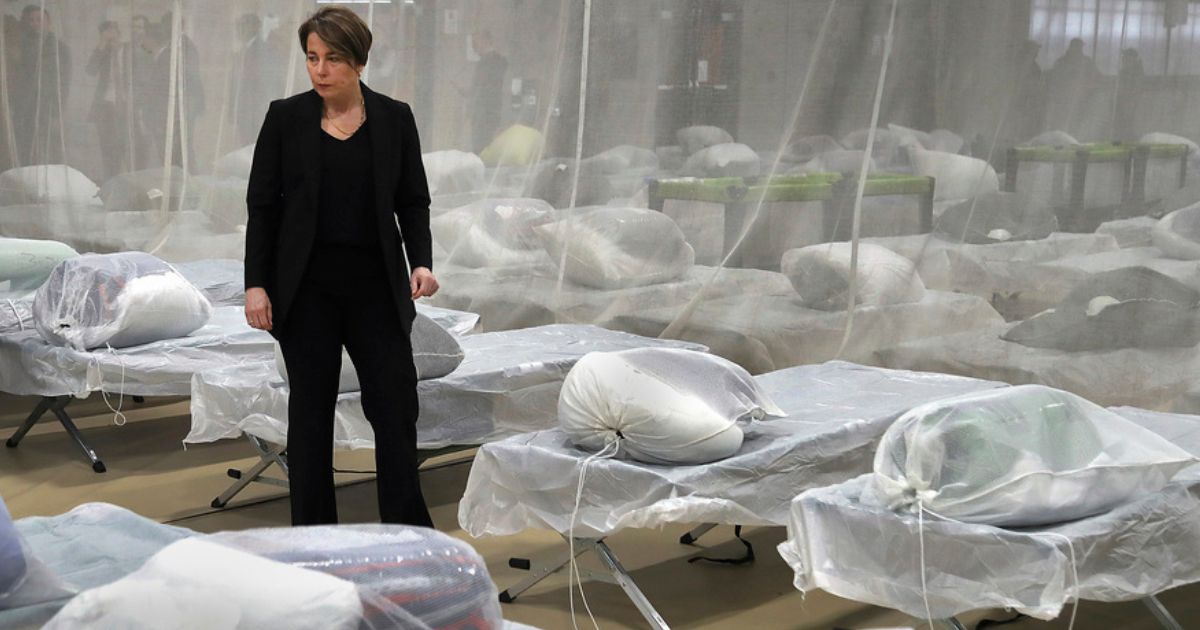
(345, 211)
(283, 197)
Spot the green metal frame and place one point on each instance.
(836, 192)
(1073, 217)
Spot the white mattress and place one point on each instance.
(837, 414)
(507, 384)
(770, 332)
(870, 554)
(30, 366)
(1154, 379)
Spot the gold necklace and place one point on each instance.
(362, 104)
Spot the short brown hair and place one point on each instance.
(342, 30)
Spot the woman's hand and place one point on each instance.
(258, 308)
(423, 283)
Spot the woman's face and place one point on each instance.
(332, 75)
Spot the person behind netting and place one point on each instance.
(110, 63)
(1131, 80)
(1071, 84)
(189, 92)
(487, 91)
(39, 90)
(335, 171)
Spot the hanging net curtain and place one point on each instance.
(908, 183)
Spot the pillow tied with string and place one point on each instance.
(660, 405)
(1018, 456)
(618, 248)
(820, 274)
(117, 300)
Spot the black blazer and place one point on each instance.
(282, 197)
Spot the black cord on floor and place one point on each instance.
(747, 558)
(353, 472)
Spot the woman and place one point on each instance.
(335, 170)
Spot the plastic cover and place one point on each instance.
(786, 333)
(836, 413)
(406, 577)
(1019, 456)
(508, 383)
(117, 300)
(613, 248)
(31, 366)
(493, 232)
(1151, 544)
(1178, 234)
(24, 579)
(821, 276)
(660, 405)
(196, 584)
(1155, 378)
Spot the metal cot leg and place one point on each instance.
(58, 406)
(696, 533)
(539, 572)
(1161, 613)
(954, 624)
(630, 587)
(38, 411)
(268, 455)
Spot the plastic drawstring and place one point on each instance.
(609, 451)
(921, 539)
(1074, 574)
(119, 418)
(16, 313)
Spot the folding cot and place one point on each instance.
(31, 366)
(507, 384)
(870, 554)
(836, 414)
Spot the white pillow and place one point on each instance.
(820, 274)
(1159, 137)
(119, 300)
(723, 160)
(194, 584)
(664, 405)
(698, 137)
(493, 232)
(235, 163)
(1018, 456)
(957, 176)
(616, 248)
(1178, 233)
(453, 172)
(436, 353)
(46, 183)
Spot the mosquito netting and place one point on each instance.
(998, 189)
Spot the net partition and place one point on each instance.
(680, 168)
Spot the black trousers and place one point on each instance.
(360, 314)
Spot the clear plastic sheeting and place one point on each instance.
(1150, 544)
(955, 132)
(617, 248)
(508, 383)
(836, 413)
(1154, 378)
(1017, 457)
(193, 583)
(24, 579)
(29, 366)
(92, 545)
(117, 300)
(405, 576)
(784, 333)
